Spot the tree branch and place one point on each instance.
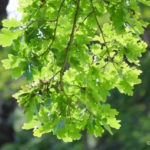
(70, 41)
(37, 20)
(55, 30)
(102, 33)
(100, 28)
(90, 13)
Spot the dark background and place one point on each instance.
(134, 113)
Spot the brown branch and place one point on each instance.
(67, 54)
(90, 13)
(70, 41)
(100, 28)
(102, 33)
(55, 30)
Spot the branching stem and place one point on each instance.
(70, 40)
(55, 30)
(103, 36)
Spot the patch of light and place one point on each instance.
(12, 10)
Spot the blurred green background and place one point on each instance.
(134, 112)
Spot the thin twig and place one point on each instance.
(67, 54)
(55, 30)
(100, 28)
(38, 20)
(90, 13)
(70, 40)
(102, 33)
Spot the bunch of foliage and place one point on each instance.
(72, 62)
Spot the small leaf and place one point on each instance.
(114, 123)
(30, 125)
(7, 37)
(11, 23)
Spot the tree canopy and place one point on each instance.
(72, 61)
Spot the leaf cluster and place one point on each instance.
(72, 62)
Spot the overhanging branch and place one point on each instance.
(70, 40)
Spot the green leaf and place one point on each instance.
(146, 2)
(7, 37)
(11, 62)
(30, 125)
(114, 123)
(72, 61)
(11, 23)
